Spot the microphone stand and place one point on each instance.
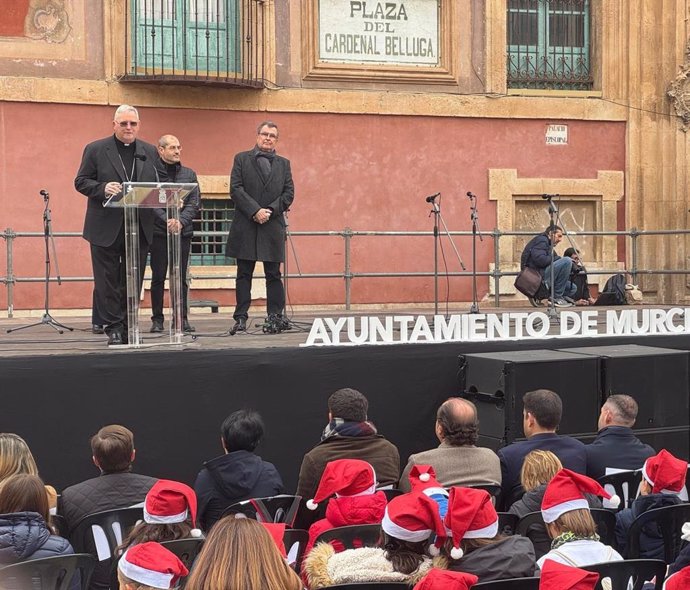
(47, 319)
(438, 219)
(474, 216)
(554, 217)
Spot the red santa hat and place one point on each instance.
(556, 576)
(438, 579)
(412, 517)
(277, 532)
(471, 515)
(678, 581)
(170, 502)
(665, 473)
(152, 565)
(566, 492)
(344, 477)
(423, 479)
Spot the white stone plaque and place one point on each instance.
(556, 135)
(365, 31)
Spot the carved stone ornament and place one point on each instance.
(679, 91)
(47, 20)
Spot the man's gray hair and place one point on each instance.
(125, 108)
(624, 408)
(270, 124)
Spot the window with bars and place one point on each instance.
(549, 44)
(211, 233)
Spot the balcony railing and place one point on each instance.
(549, 44)
(195, 42)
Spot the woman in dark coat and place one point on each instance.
(25, 533)
(476, 547)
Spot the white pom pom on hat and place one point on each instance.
(312, 505)
(456, 553)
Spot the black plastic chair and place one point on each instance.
(668, 521)
(50, 573)
(391, 493)
(511, 584)
(295, 540)
(352, 537)
(370, 586)
(494, 491)
(281, 508)
(621, 573)
(625, 484)
(507, 523)
(112, 526)
(185, 549)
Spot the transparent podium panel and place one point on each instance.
(151, 195)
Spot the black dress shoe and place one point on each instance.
(115, 338)
(156, 326)
(97, 329)
(187, 327)
(240, 326)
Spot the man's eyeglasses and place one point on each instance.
(128, 123)
(269, 135)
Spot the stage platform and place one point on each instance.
(59, 389)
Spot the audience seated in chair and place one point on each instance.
(542, 413)
(663, 478)
(538, 469)
(408, 525)
(169, 514)
(457, 461)
(240, 553)
(149, 565)
(356, 501)
(112, 450)
(565, 511)
(24, 530)
(349, 435)
(239, 474)
(558, 576)
(616, 445)
(475, 545)
(438, 579)
(16, 457)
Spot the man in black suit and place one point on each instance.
(262, 190)
(541, 416)
(616, 445)
(106, 164)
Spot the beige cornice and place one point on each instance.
(378, 102)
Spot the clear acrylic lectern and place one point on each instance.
(151, 195)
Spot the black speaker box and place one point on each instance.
(497, 381)
(658, 379)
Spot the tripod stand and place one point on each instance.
(47, 319)
(474, 216)
(438, 220)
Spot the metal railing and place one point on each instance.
(195, 41)
(349, 274)
(548, 44)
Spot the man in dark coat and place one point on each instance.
(172, 170)
(262, 190)
(106, 164)
(237, 475)
(539, 255)
(616, 445)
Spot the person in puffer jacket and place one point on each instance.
(24, 530)
(353, 482)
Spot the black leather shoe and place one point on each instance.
(115, 338)
(187, 327)
(97, 329)
(240, 326)
(156, 326)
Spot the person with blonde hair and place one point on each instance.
(565, 511)
(239, 554)
(16, 458)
